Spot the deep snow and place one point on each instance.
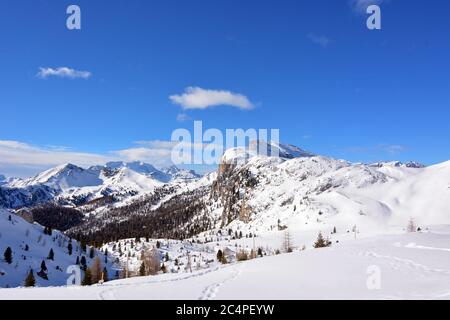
(410, 266)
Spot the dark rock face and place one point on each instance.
(231, 187)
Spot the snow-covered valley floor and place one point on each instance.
(398, 266)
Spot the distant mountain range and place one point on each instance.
(70, 184)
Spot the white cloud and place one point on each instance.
(360, 6)
(198, 98)
(63, 72)
(322, 40)
(23, 160)
(15, 156)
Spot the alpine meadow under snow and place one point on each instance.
(250, 230)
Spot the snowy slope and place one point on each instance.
(17, 234)
(424, 196)
(259, 194)
(63, 177)
(273, 149)
(402, 266)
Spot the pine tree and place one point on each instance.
(167, 258)
(27, 247)
(43, 266)
(83, 263)
(91, 253)
(411, 226)
(260, 253)
(69, 247)
(158, 244)
(87, 280)
(287, 242)
(51, 255)
(30, 281)
(321, 242)
(83, 245)
(219, 255)
(78, 261)
(142, 272)
(8, 255)
(105, 275)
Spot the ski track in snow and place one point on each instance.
(405, 265)
(108, 293)
(414, 246)
(210, 292)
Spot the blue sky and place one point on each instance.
(310, 68)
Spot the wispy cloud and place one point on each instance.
(22, 159)
(63, 72)
(15, 155)
(320, 40)
(198, 98)
(360, 6)
(391, 149)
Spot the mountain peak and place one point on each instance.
(265, 148)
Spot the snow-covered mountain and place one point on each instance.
(72, 185)
(314, 192)
(251, 195)
(410, 164)
(177, 174)
(256, 193)
(273, 149)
